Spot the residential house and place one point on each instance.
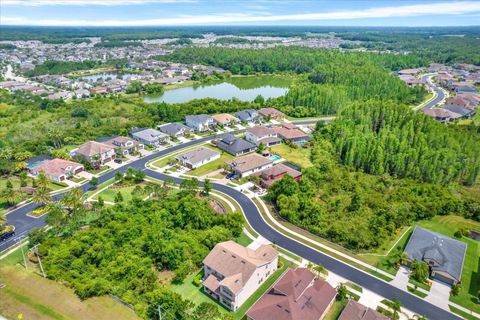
(248, 115)
(57, 169)
(175, 129)
(460, 101)
(260, 134)
(445, 256)
(277, 172)
(233, 272)
(233, 145)
(410, 71)
(249, 164)
(298, 294)
(150, 137)
(197, 157)
(290, 132)
(199, 122)
(225, 119)
(271, 113)
(441, 114)
(95, 152)
(99, 90)
(466, 89)
(464, 112)
(356, 311)
(123, 145)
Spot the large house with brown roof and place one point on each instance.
(260, 134)
(277, 172)
(57, 169)
(298, 294)
(95, 152)
(249, 164)
(290, 132)
(225, 119)
(233, 272)
(356, 311)
(271, 113)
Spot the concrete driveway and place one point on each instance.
(401, 278)
(85, 174)
(439, 294)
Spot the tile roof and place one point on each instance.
(261, 131)
(356, 311)
(270, 112)
(268, 175)
(225, 118)
(237, 263)
(290, 133)
(92, 148)
(297, 295)
(56, 167)
(249, 162)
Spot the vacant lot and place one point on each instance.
(211, 166)
(298, 156)
(38, 298)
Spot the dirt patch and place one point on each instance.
(217, 206)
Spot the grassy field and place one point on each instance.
(110, 193)
(35, 297)
(298, 156)
(211, 166)
(336, 309)
(163, 161)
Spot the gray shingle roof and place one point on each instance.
(173, 129)
(148, 134)
(457, 109)
(234, 145)
(199, 118)
(447, 252)
(247, 115)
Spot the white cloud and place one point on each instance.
(38, 3)
(443, 8)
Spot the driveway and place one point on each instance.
(86, 175)
(439, 294)
(401, 278)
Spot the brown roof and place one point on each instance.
(297, 295)
(458, 101)
(56, 167)
(225, 118)
(270, 112)
(440, 113)
(248, 162)
(261, 131)
(92, 148)
(268, 175)
(289, 133)
(356, 311)
(237, 263)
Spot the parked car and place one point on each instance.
(230, 175)
(117, 160)
(6, 232)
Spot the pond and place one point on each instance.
(242, 88)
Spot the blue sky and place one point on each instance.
(237, 12)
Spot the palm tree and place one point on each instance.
(396, 307)
(42, 180)
(320, 270)
(72, 198)
(55, 213)
(41, 196)
(10, 195)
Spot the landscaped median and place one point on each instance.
(313, 244)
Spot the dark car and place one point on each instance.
(117, 160)
(4, 235)
(230, 175)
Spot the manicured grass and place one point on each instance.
(298, 156)
(100, 171)
(289, 254)
(447, 225)
(336, 309)
(163, 161)
(211, 166)
(35, 297)
(243, 239)
(419, 293)
(354, 286)
(110, 193)
(462, 313)
(419, 284)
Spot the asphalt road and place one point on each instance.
(25, 224)
(440, 94)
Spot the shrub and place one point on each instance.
(197, 281)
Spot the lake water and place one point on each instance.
(242, 88)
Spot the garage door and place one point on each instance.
(443, 279)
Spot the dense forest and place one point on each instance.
(63, 67)
(385, 137)
(358, 210)
(126, 248)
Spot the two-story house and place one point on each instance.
(95, 152)
(260, 134)
(150, 137)
(247, 115)
(124, 145)
(233, 272)
(199, 122)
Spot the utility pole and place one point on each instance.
(39, 261)
(24, 260)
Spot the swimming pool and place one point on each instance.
(274, 157)
(34, 164)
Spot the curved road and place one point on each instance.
(440, 93)
(25, 224)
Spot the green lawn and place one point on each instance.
(419, 293)
(163, 161)
(299, 156)
(336, 309)
(211, 166)
(243, 239)
(110, 193)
